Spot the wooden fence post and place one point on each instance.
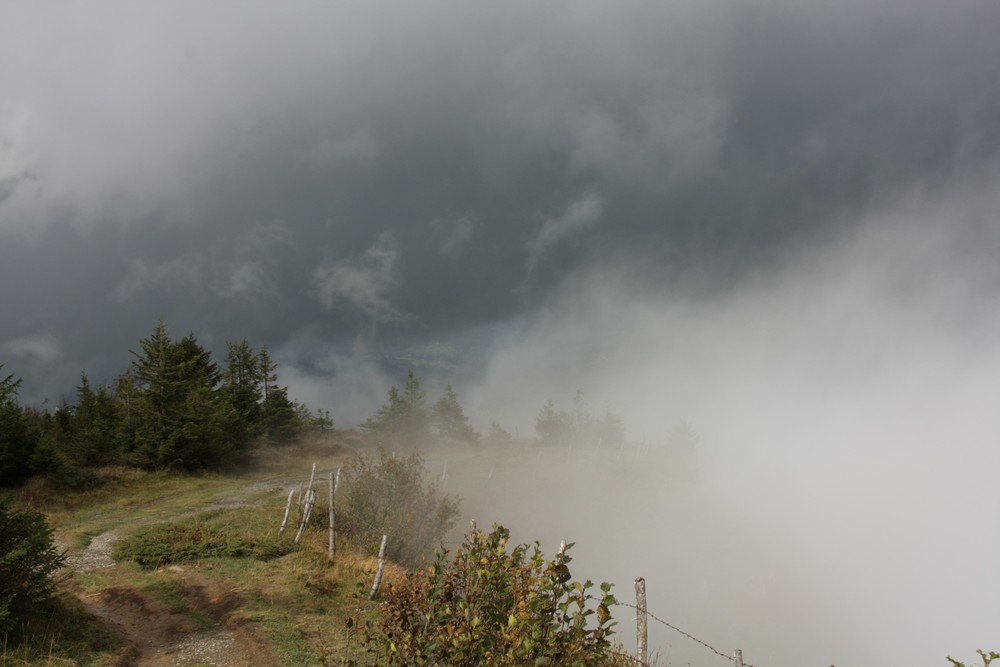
(310, 503)
(312, 478)
(641, 634)
(288, 508)
(739, 658)
(334, 483)
(381, 567)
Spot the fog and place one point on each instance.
(839, 506)
(771, 224)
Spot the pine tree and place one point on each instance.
(17, 442)
(404, 417)
(498, 432)
(417, 419)
(95, 426)
(388, 419)
(449, 419)
(280, 415)
(553, 427)
(242, 387)
(611, 429)
(179, 419)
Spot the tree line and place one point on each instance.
(579, 427)
(176, 408)
(406, 418)
(172, 408)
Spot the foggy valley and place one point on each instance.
(766, 235)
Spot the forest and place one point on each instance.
(172, 408)
(175, 408)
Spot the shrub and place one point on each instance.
(494, 605)
(388, 496)
(987, 658)
(165, 543)
(28, 557)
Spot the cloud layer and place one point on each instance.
(775, 221)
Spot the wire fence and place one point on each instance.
(682, 632)
(635, 659)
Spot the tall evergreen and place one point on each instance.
(417, 419)
(180, 421)
(95, 433)
(449, 419)
(404, 417)
(242, 388)
(17, 441)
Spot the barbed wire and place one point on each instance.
(634, 659)
(679, 631)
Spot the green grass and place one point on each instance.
(198, 538)
(58, 633)
(296, 597)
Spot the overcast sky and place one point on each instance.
(778, 221)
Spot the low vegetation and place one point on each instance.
(495, 604)
(388, 495)
(28, 557)
(194, 539)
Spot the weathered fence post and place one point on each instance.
(310, 503)
(334, 483)
(739, 658)
(288, 508)
(381, 567)
(312, 478)
(641, 633)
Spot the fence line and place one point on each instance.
(639, 659)
(688, 635)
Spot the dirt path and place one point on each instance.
(152, 634)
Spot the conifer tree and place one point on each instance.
(242, 387)
(95, 427)
(450, 420)
(417, 419)
(553, 427)
(180, 421)
(404, 417)
(17, 442)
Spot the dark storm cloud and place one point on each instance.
(757, 216)
(413, 172)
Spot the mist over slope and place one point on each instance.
(839, 507)
(774, 222)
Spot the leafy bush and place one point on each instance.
(28, 557)
(166, 543)
(388, 496)
(986, 657)
(494, 605)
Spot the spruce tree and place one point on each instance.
(242, 388)
(95, 426)
(17, 441)
(179, 420)
(450, 420)
(404, 417)
(417, 419)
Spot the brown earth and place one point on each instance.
(150, 633)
